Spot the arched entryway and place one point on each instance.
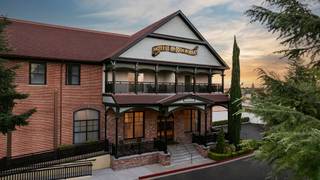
(183, 122)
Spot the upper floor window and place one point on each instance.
(37, 73)
(86, 126)
(73, 74)
(131, 77)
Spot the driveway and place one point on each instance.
(246, 169)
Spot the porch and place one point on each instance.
(147, 123)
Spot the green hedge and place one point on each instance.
(220, 157)
(225, 122)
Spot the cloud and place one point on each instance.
(217, 20)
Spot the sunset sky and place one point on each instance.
(217, 20)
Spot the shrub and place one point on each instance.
(220, 148)
(218, 157)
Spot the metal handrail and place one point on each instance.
(191, 156)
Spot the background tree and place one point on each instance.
(9, 95)
(234, 122)
(297, 27)
(291, 105)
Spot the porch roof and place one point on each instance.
(166, 99)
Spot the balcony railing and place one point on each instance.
(163, 87)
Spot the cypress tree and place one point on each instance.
(234, 125)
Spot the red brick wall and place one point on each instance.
(39, 134)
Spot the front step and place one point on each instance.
(181, 154)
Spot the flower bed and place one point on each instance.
(224, 156)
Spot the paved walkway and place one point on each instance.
(134, 173)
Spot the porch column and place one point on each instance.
(165, 133)
(116, 138)
(105, 78)
(106, 148)
(156, 73)
(194, 80)
(222, 81)
(114, 79)
(205, 124)
(136, 78)
(176, 79)
(210, 81)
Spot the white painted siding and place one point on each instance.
(177, 27)
(142, 50)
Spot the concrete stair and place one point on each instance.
(184, 154)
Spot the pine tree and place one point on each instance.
(290, 106)
(9, 95)
(296, 25)
(234, 123)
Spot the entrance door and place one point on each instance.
(170, 129)
(188, 83)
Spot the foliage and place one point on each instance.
(294, 23)
(291, 109)
(220, 142)
(9, 95)
(250, 144)
(234, 124)
(224, 156)
(225, 122)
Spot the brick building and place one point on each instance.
(157, 84)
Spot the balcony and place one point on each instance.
(161, 87)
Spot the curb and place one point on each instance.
(190, 168)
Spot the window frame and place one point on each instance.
(86, 125)
(133, 130)
(45, 72)
(68, 65)
(196, 117)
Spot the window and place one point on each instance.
(86, 126)
(191, 122)
(131, 77)
(37, 73)
(133, 125)
(73, 74)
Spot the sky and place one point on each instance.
(217, 20)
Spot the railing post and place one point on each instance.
(210, 81)
(222, 81)
(136, 78)
(176, 79)
(194, 80)
(156, 78)
(113, 80)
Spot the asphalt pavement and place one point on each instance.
(244, 169)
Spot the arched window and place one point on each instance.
(86, 126)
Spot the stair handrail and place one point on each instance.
(184, 145)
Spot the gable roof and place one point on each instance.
(28, 39)
(42, 41)
(137, 37)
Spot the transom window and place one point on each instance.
(37, 73)
(133, 125)
(86, 126)
(73, 74)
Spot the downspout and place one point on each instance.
(60, 123)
